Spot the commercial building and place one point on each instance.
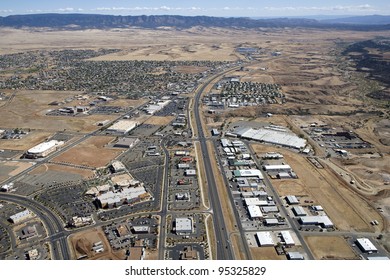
(292, 199)
(140, 229)
(183, 166)
(322, 221)
(264, 238)
(21, 216)
(122, 127)
(271, 222)
(366, 245)
(130, 195)
(43, 149)
(299, 211)
(295, 256)
(277, 168)
(255, 212)
(255, 201)
(270, 209)
(80, 221)
(272, 136)
(215, 132)
(190, 172)
(287, 238)
(153, 108)
(126, 143)
(118, 166)
(183, 226)
(248, 173)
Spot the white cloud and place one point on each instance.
(357, 8)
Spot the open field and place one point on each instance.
(265, 253)
(12, 168)
(85, 173)
(155, 120)
(330, 248)
(347, 210)
(91, 152)
(26, 142)
(28, 110)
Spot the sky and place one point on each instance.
(224, 8)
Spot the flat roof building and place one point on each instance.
(322, 221)
(20, 216)
(126, 143)
(292, 199)
(299, 211)
(43, 149)
(122, 127)
(190, 172)
(277, 168)
(255, 201)
(271, 222)
(366, 245)
(287, 238)
(264, 238)
(255, 212)
(118, 166)
(248, 173)
(270, 209)
(183, 225)
(295, 256)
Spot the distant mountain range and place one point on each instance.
(88, 21)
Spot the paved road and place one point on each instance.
(55, 228)
(224, 250)
(282, 208)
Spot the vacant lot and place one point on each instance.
(347, 210)
(85, 173)
(159, 120)
(265, 253)
(330, 248)
(12, 168)
(91, 153)
(28, 110)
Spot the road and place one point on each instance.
(224, 249)
(54, 226)
(282, 208)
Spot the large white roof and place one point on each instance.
(40, 148)
(287, 237)
(273, 137)
(366, 244)
(265, 238)
(123, 125)
(254, 211)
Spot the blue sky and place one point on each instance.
(250, 8)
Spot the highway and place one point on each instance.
(224, 250)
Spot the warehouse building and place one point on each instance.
(126, 143)
(153, 108)
(271, 222)
(366, 245)
(21, 216)
(272, 136)
(183, 226)
(270, 209)
(287, 238)
(248, 173)
(122, 127)
(43, 149)
(255, 212)
(118, 166)
(322, 221)
(292, 199)
(264, 239)
(295, 256)
(299, 211)
(277, 168)
(255, 201)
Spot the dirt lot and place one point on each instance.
(82, 243)
(91, 152)
(159, 120)
(61, 168)
(330, 248)
(28, 110)
(347, 210)
(12, 168)
(265, 253)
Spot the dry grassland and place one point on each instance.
(91, 152)
(265, 253)
(330, 248)
(85, 173)
(27, 142)
(346, 209)
(155, 120)
(28, 110)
